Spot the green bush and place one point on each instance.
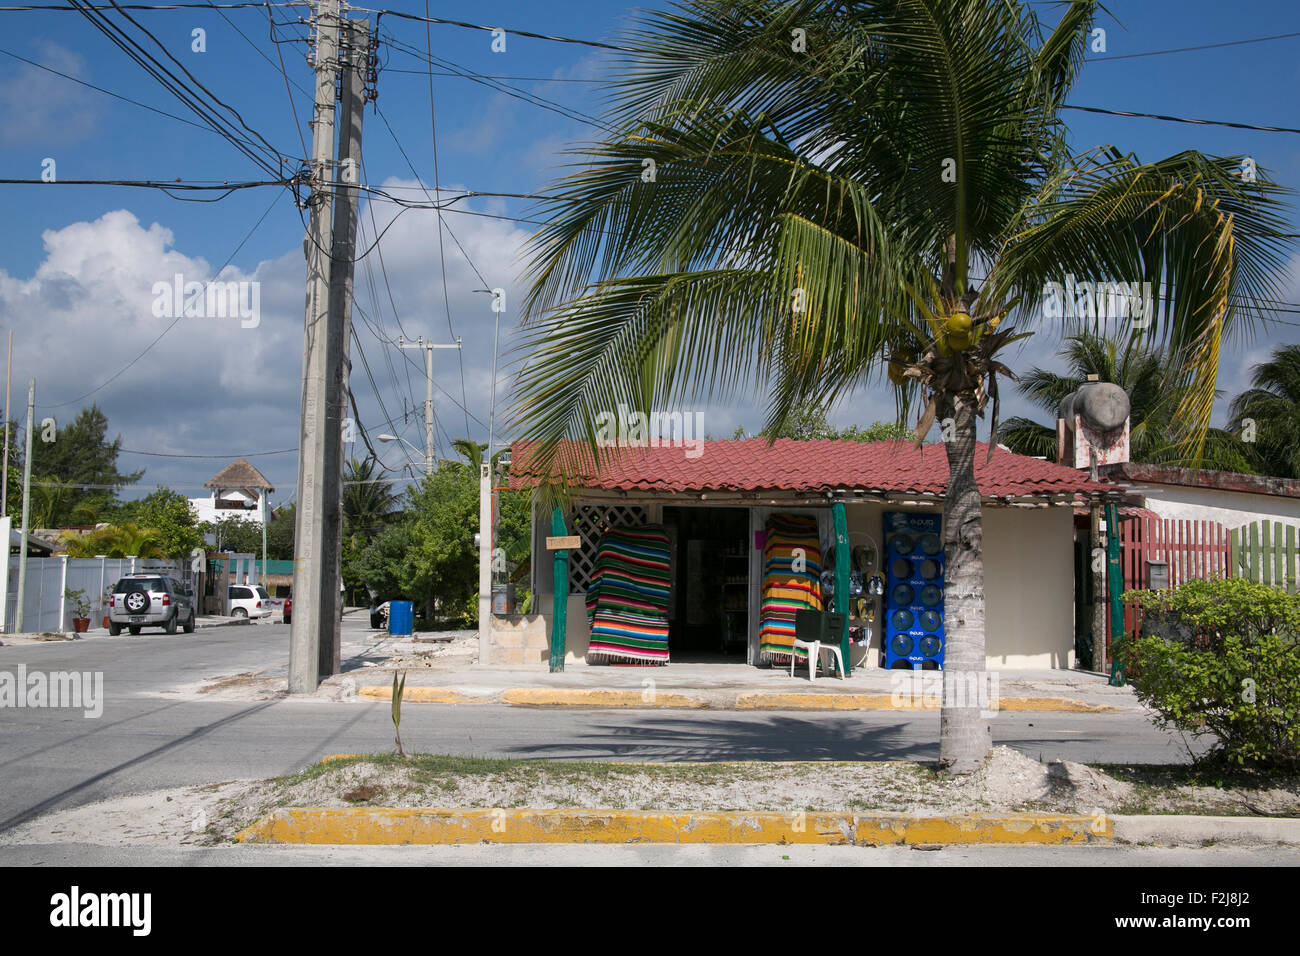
(1221, 657)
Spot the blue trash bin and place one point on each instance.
(401, 618)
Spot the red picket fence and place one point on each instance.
(1192, 549)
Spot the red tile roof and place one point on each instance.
(804, 466)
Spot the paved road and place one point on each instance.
(51, 759)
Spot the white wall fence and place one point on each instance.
(46, 609)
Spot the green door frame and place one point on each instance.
(560, 605)
(1114, 576)
(842, 558)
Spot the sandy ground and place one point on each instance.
(1010, 782)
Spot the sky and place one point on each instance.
(79, 264)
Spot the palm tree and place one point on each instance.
(56, 503)
(1267, 415)
(115, 541)
(1156, 434)
(816, 190)
(472, 450)
(367, 499)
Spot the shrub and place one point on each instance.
(1221, 657)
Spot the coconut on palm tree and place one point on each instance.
(1267, 415)
(795, 194)
(1157, 435)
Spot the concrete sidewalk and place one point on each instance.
(439, 675)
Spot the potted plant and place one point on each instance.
(80, 609)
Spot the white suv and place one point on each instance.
(249, 600)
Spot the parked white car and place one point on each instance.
(249, 600)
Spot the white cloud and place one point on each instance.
(210, 386)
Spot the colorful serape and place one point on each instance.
(785, 589)
(627, 603)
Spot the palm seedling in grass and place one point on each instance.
(398, 690)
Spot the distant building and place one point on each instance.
(238, 490)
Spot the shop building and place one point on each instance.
(709, 547)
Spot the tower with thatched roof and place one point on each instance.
(237, 490)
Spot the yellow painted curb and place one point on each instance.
(330, 758)
(560, 697)
(587, 697)
(422, 695)
(1051, 703)
(814, 701)
(391, 826)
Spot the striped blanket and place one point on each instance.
(627, 603)
(787, 588)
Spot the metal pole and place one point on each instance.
(27, 507)
(317, 480)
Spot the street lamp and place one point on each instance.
(387, 438)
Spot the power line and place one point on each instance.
(247, 454)
(1182, 119)
(63, 8)
(177, 87)
(437, 183)
(478, 26)
(1189, 49)
(533, 99)
(100, 89)
(225, 188)
(297, 123)
(495, 76)
(370, 277)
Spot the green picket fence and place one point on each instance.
(1266, 552)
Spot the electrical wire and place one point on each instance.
(437, 184)
(247, 454)
(1189, 49)
(100, 89)
(477, 26)
(177, 87)
(1182, 119)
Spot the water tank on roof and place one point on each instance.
(1103, 406)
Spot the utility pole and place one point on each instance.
(353, 52)
(428, 401)
(314, 567)
(27, 507)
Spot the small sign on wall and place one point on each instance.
(563, 542)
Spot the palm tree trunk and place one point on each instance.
(964, 736)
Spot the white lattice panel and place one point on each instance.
(588, 522)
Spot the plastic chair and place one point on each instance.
(815, 649)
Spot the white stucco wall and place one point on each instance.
(1232, 509)
(1028, 588)
(207, 510)
(1028, 583)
